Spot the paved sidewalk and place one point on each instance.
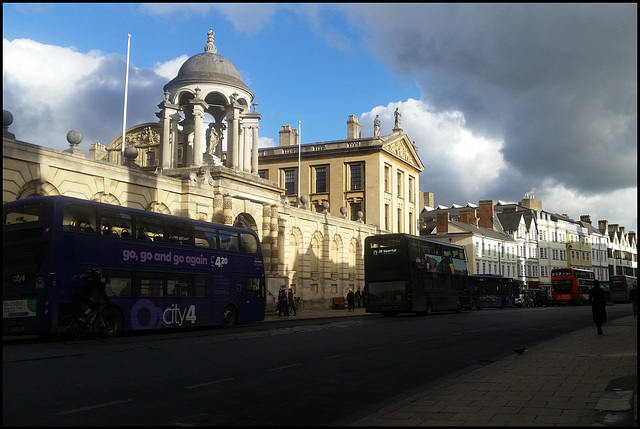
(576, 379)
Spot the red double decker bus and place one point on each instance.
(571, 285)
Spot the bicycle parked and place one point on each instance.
(71, 328)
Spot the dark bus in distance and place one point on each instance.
(410, 274)
(620, 286)
(489, 291)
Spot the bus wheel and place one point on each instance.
(474, 304)
(503, 304)
(429, 308)
(229, 316)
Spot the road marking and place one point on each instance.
(334, 356)
(207, 384)
(77, 410)
(284, 367)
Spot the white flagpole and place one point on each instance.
(126, 89)
(299, 149)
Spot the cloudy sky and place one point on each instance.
(502, 100)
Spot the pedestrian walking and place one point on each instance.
(292, 304)
(359, 297)
(633, 297)
(598, 301)
(351, 300)
(283, 306)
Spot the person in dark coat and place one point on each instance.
(359, 295)
(598, 301)
(283, 302)
(633, 297)
(292, 303)
(351, 301)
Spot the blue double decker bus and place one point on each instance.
(161, 271)
(489, 291)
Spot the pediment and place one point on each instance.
(142, 135)
(404, 150)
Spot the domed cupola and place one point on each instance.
(205, 106)
(208, 67)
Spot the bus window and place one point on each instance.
(179, 233)
(201, 285)
(119, 282)
(149, 229)
(206, 237)
(249, 243)
(25, 213)
(255, 287)
(79, 218)
(150, 284)
(229, 241)
(180, 285)
(113, 223)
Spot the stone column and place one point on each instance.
(168, 111)
(241, 133)
(174, 140)
(254, 151)
(273, 232)
(246, 165)
(227, 209)
(187, 147)
(233, 114)
(198, 135)
(251, 122)
(266, 236)
(218, 211)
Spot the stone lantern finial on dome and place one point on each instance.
(210, 47)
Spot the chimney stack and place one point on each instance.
(603, 226)
(586, 218)
(353, 128)
(486, 214)
(442, 224)
(469, 216)
(288, 136)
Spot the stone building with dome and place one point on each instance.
(312, 241)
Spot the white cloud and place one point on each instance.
(45, 73)
(617, 207)
(50, 90)
(453, 157)
(169, 69)
(266, 142)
